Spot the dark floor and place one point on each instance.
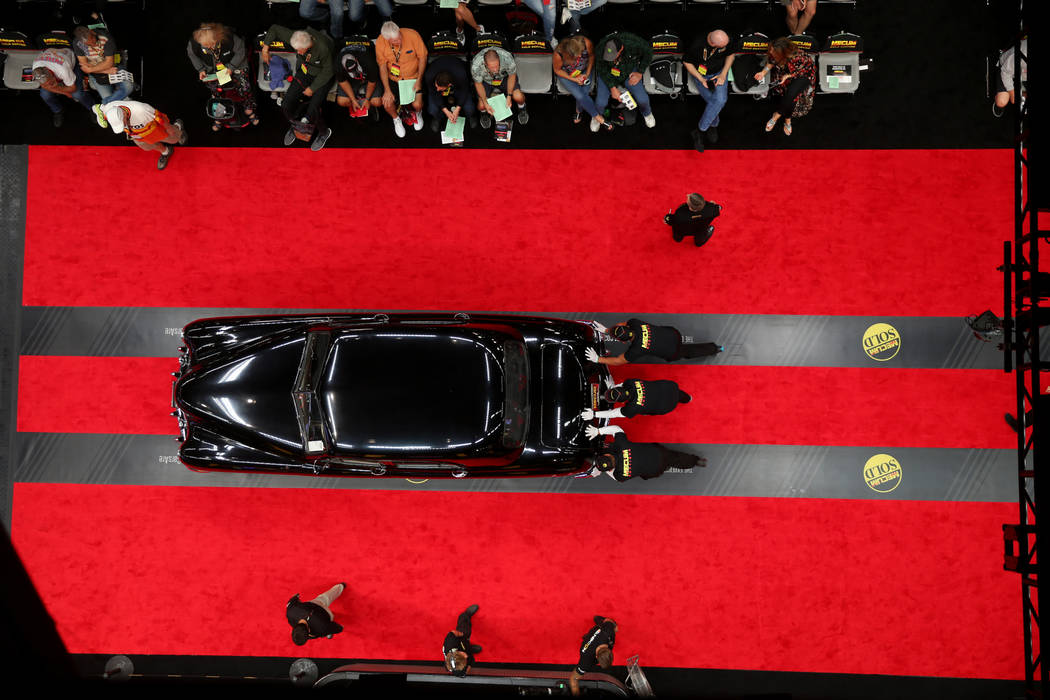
(926, 87)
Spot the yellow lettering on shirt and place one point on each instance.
(625, 458)
(647, 336)
(639, 393)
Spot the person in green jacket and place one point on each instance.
(622, 60)
(312, 77)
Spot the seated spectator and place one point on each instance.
(573, 62)
(794, 77)
(448, 92)
(573, 16)
(693, 218)
(147, 127)
(624, 58)
(357, 81)
(59, 76)
(1004, 89)
(311, 79)
(494, 70)
(96, 53)
(319, 10)
(799, 14)
(465, 16)
(708, 62)
(214, 48)
(401, 55)
(545, 9)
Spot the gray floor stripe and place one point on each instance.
(733, 470)
(768, 340)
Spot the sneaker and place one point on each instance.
(183, 136)
(721, 348)
(162, 162)
(461, 36)
(475, 648)
(698, 140)
(486, 120)
(554, 43)
(675, 233)
(399, 128)
(320, 139)
(566, 15)
(99, 116)
(523, 116)
(435, 125)
(472, 609)
(699, 241)
(712, 134)
(481, 28)
(650, 120)
(289, 137)
(419, 121)
(58, 118)
(595, 125)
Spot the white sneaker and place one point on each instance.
(566, 15)
(595, 125)
(399, 128)
(554, 43)
(418, 126)
(481, 28)
(650, 120)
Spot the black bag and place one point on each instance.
(667, 72)
(522, 21)
(745, 65)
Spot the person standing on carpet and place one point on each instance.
(457, 649)
(147, 127)
(646, 341)
(596, 651)
(622, 459)
(641, 397)
(693, 218)
(314, 619)
(312, 78)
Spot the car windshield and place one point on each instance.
(516, 394)
(307, 408)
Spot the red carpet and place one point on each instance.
(732, 404)
(860, 233)
(913, 588)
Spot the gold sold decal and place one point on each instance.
(881, 342)
(883, 473)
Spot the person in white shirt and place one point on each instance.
(147, 127)
(60, 77)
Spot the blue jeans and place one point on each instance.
(314, 11)
(111, 91)
(357, 9)
(715, 97)
(57, 102)
(546, 13)
(582, 93)
(595, 4)
(637, 91)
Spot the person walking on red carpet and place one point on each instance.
(314, 619)
(146, 126)
(694, 218)
(596, 651)
(645, 341)
(458, 650)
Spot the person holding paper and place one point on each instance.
(448, 92)
(357, 80)
(402, 56)
(620, 68)
(495, 75)
(217, 53)
(573, 63)
(312, 78)
(708, 62)
(97, 54)
(794, 77)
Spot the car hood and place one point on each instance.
(566, 392)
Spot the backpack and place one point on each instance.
(667, 74)
(745, 65)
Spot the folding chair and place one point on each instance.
(754, 44)
(839, 64)
(18, 61)
(666, 47)
(533, 56)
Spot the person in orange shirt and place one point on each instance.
(401, 55)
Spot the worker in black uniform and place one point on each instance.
(595, 650)
(640, 397)
(314, 619)
(693, 218)
(646, 341)
(622, 459)
(458, 651)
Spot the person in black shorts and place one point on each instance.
(314, 619)
(458, 651)
(646, 342)
(641, 397)
(622, 459)
(596, 651)
(693, 218)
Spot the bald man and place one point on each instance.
(708, 61)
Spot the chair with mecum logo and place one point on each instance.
(839, 65)
(751, 52)
(18, 56)
(665, 74)
(533, 56)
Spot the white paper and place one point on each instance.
(577, 5)
(627, 99)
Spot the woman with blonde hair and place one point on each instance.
(573, 64)
(217, 53)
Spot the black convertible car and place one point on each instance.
(388, 395)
